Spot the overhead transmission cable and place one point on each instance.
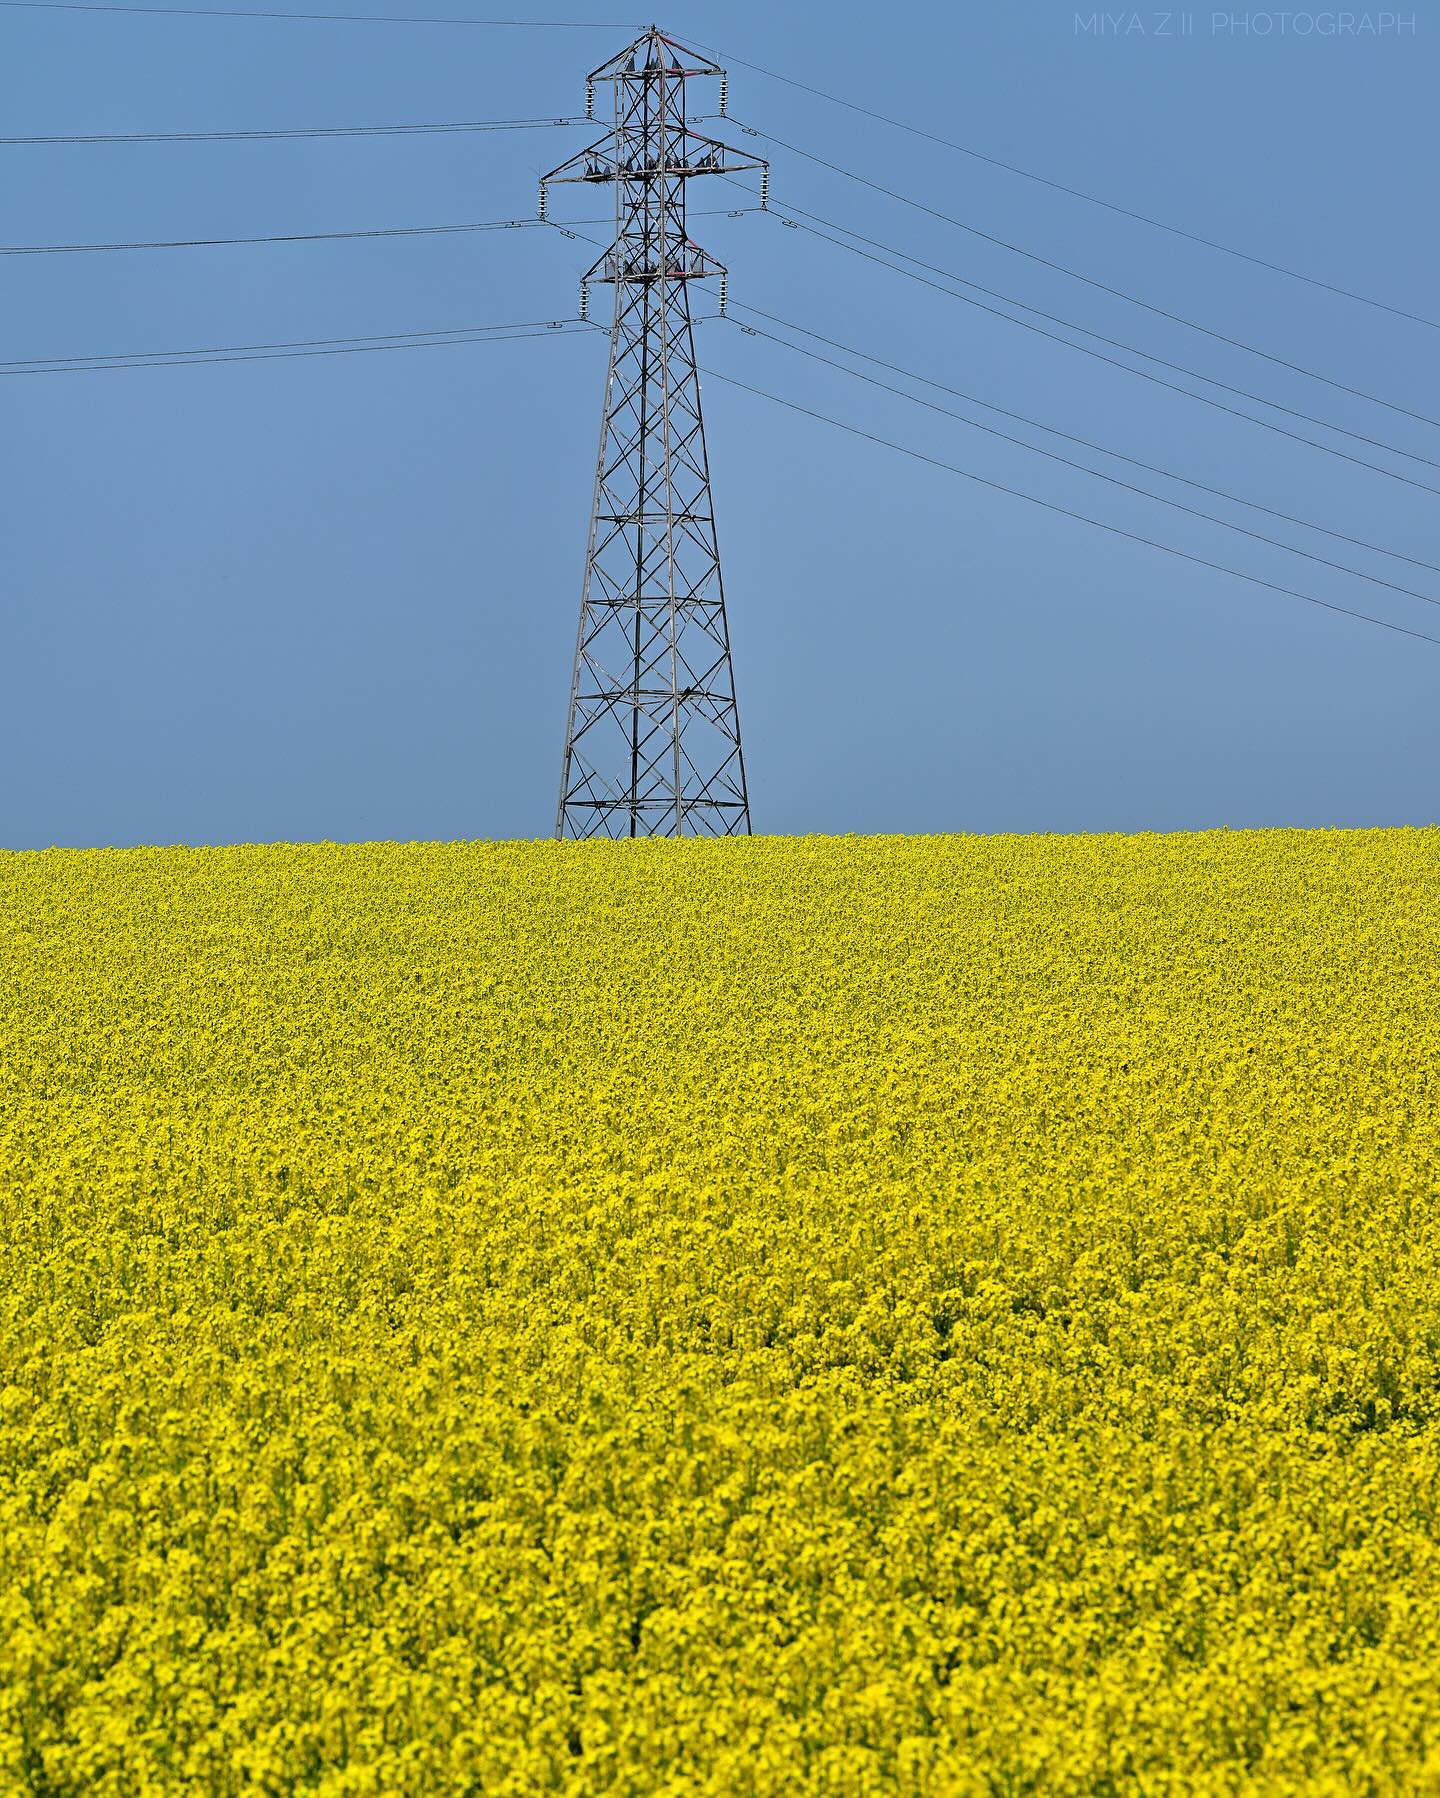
(329, 18)
(795, 217)
(1075, 193)
(1114, 530)
(201, 243)
(916, 399)
(1061, 268)
(934, 137)
(522, 330)
(1102, 449)
(517, 331)
(297, 131)
(783, 211)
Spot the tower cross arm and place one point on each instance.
(721, 158)
(701, 155)
(598, 162)
(686, 261)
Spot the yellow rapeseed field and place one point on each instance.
(930, 1316)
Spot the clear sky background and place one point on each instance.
(336, 597)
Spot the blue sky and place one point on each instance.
(335, 598)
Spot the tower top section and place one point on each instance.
(652, 52)
(649, 156)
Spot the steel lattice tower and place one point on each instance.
(652, 743)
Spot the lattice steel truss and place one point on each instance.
(652, 743)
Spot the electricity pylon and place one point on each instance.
(652, 742)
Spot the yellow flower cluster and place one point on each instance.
(925, 1316)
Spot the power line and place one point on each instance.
(1115, 530)
(1084, 442)
(1095, 473)
(297, 347)
(1208, 243)
(332, 18)
(293, 343)
(97, 362)
(1265, 424)
(1077, 193)
(286, 356)
(439, 128)
(299, 131)
(1089, 281)
(200, 243)
(781, 210)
